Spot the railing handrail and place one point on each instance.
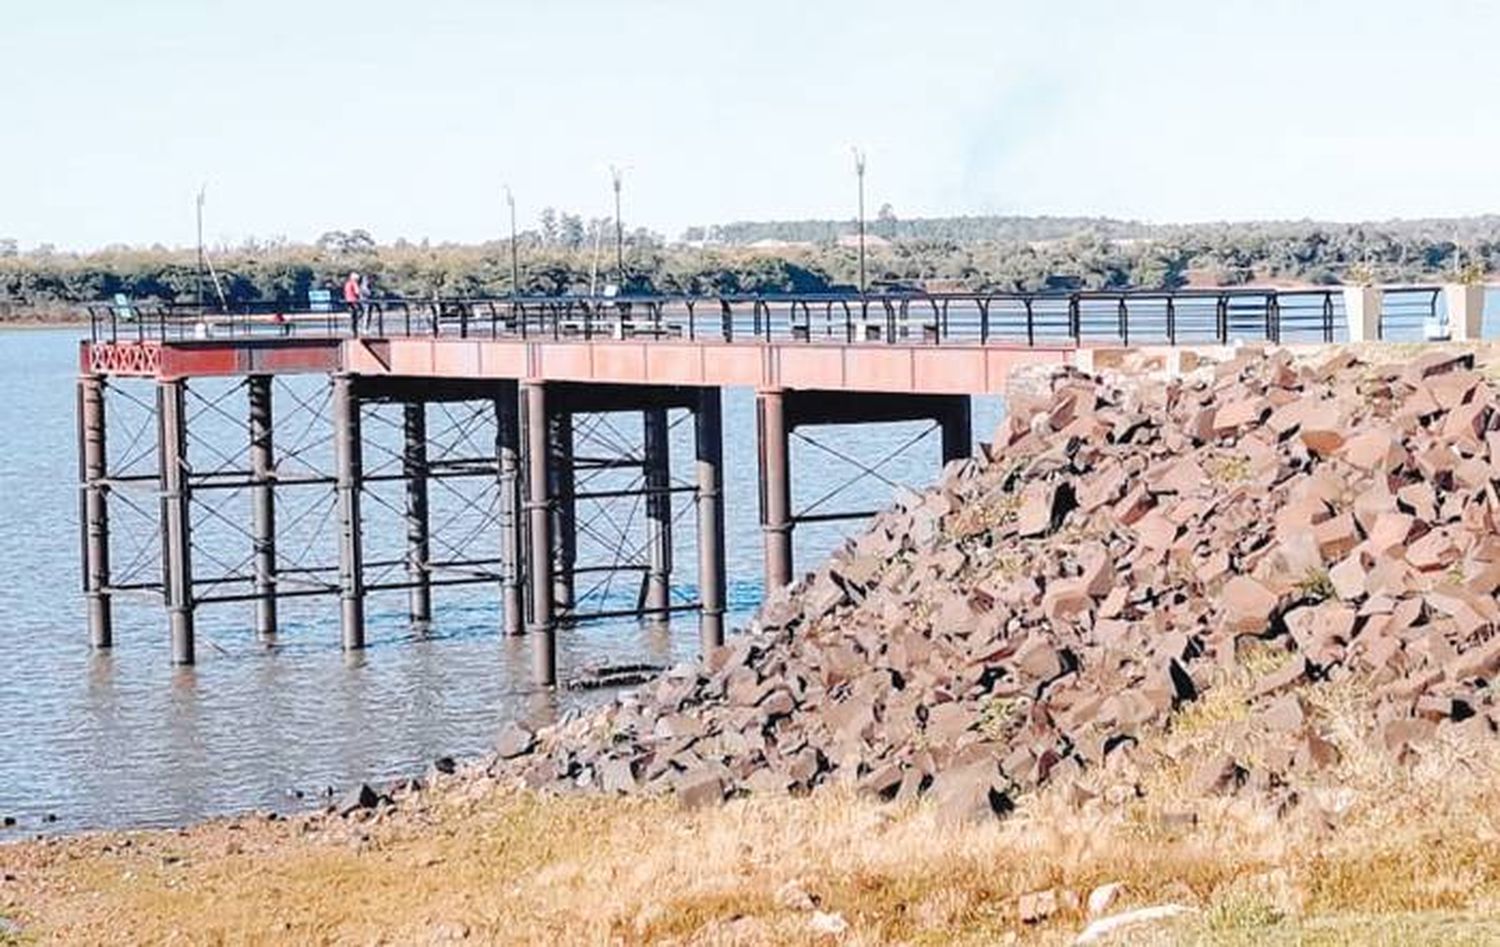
(1033, 317)
(599, 299)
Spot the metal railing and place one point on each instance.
(1139, 317)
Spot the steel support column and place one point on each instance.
(657, 593)
(348, 483)
(708, 435)
(93, 468)
(176, 516)
(418, 543)
(957, 429)
(542, 629)
(561, 480)
(263, 504)
(773, 434)
(508, 448)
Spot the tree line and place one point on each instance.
(568, 254)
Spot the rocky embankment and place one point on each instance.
(1120, 545)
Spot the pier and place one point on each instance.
(513, 381)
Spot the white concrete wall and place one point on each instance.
(1362, 312)
(1465, 311)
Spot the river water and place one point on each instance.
(124, 739)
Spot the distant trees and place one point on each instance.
(568, 254)
(571, 231)
(346, 244)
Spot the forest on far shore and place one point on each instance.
(565, 254)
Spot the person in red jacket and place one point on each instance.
(352, 300)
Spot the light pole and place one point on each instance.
(202, 195)
(615, 174)
(515, 266)
(859, 170)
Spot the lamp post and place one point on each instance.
(859, 170)
(202, 195)
(615, 175)
(515, 266)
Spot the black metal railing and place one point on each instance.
(1139, 317)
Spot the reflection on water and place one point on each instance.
(125, 739)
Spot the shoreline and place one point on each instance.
(32, 325)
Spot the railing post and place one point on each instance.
(563, 506)
(1075, 319)
(508, 437)
(418, 542)
(263, 503)
(709, 442)
(542, 627)
(348, 484)
(1221, 317)
(176, 521)
(775, 486)
(956, 422)
(93, 469)
(1171, 319)
(658, 477)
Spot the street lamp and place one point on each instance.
(859, 170)
(515, 266)
(615, 175)
(202, 196)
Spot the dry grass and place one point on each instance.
(1375, 853)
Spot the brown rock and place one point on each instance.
(1218, 775)
(1284, 714)
(699, 787)
(969, 793)
(1376, 450)
(1042, 509)
(1247, 605)
(1239, 413)
(514, 740)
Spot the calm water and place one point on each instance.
(123, 738)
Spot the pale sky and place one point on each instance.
(406, 118)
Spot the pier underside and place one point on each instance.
(262, 475)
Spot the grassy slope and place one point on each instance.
(1374, 853)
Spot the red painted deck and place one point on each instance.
(874, 366)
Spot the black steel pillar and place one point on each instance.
(508, 448)
(708, 430)
(176, 516)
(263, 504)
(657, 597)
(542, 627)
(93, 469)
(418, 551)
(564, 508)
(773, 435)
(348, 483)
(957, 428)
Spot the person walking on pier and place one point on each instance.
(365, 295)
(352, 300)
